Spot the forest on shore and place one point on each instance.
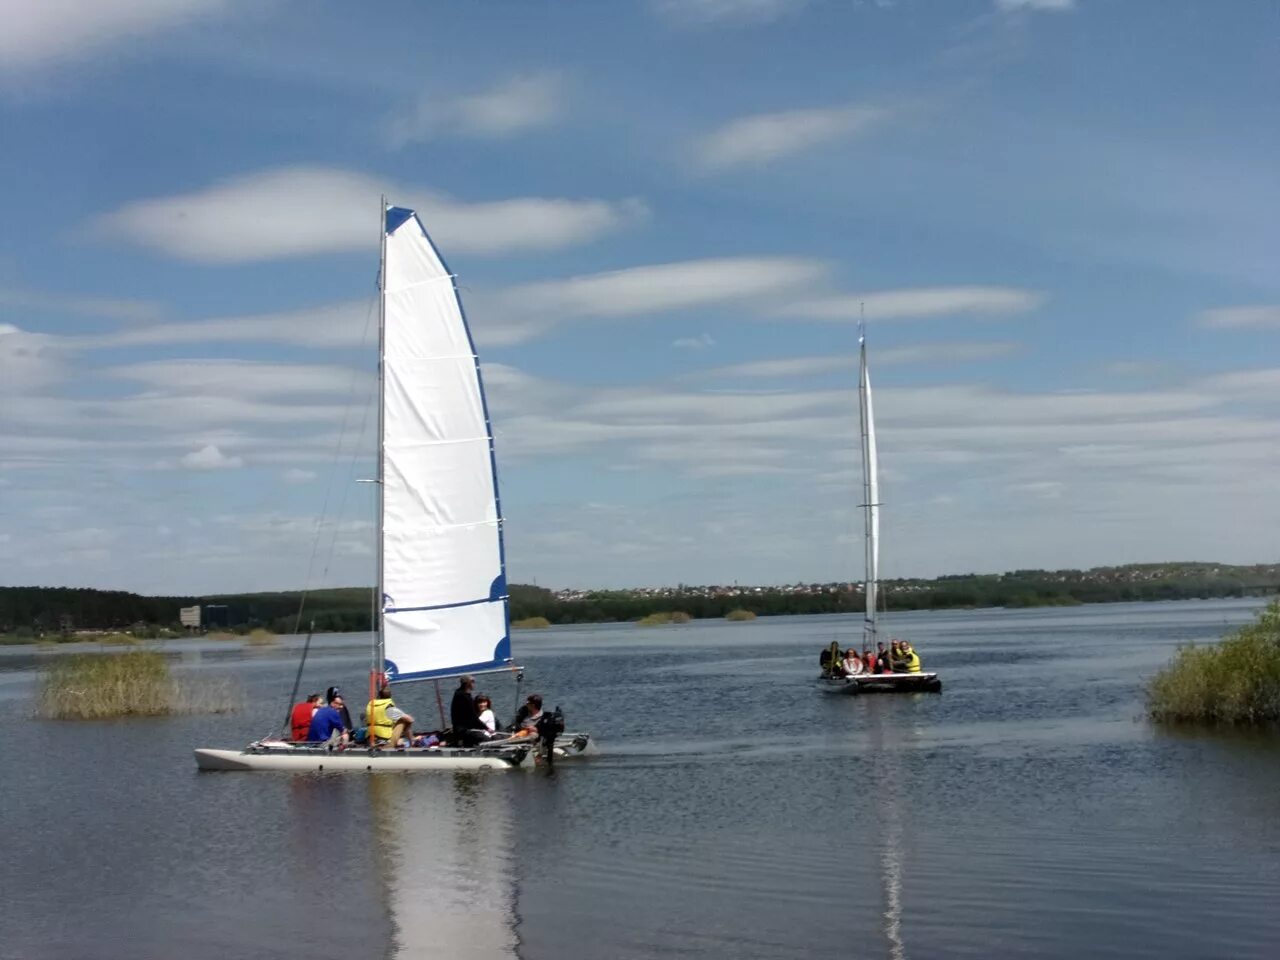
(28, 613)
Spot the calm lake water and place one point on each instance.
(733, 812)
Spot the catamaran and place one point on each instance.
(830, 681)
(442, 607)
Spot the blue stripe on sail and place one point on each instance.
(395, 676)
(444, 606)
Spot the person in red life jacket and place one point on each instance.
(300, 719)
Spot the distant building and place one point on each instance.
(190, 617)
(217, 615)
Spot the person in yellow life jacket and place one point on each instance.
(910, 659)
(386, 720)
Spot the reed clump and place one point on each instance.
(740, 615)
(531, 623)
(1237, 681)
(663, 617)
(259, 637)
(135, 683)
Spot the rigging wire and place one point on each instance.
(337, 453)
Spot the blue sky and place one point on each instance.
(1061, 216)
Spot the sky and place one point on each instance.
(1059, 218)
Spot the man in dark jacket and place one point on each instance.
(463, 715)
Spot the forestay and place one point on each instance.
(444, 592)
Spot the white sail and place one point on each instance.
(870, 492)
(444, 592)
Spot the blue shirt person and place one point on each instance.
(327, 721)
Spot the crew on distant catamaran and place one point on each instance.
(910, 659)
(852, 663)
(300, 717)
(327, 725)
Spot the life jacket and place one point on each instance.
(912, 662)
(380, 725)
(300, 720)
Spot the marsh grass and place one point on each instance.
(135, 683)
(531, 623)
(1237, 681)
(664, 617)
(260, 638)
(739, 615)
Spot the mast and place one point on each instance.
(378, 655)
(870, 493)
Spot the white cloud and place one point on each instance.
(1262, 316)
(244, 378)
(132, 311)
(700, 342)
(666, 286)
(332, 325)
(521, 103)
(765, 137)
(830, 363)
(304, 211)
(703, 12)
(38, 32)
(917, 302)
(28, 361)
(297, 475)
(210, 458)
(1055, 5)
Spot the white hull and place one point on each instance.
(280, 755)
(388, 761)
(881, 683)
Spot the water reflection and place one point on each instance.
(443, 857)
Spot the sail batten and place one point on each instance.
(444, 596)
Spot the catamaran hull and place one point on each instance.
(287, 757)
(355, 761)
(882, 683)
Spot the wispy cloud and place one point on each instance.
(765, 137)
(1050, 5)
(917, 302)
(53, 31)
(107, 308)
(210, 458)
(515, 106)
(523, 312)
(343, 324)
(1262, 316)
(705, 12)
(700, 342)
(245, 378)
(304, 211)
(923, 353)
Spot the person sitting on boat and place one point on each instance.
(910, 659)
(896, 657)
(300, 718)
(386, 720)
(487, 720)
(852, 663)
(329, 696)
(884, 663)
(463, 715)
(869, 660)
(528, 715)
(327, 724)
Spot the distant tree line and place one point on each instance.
(28, 611)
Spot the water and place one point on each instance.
(734, 812)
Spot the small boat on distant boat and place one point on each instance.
(832, 679)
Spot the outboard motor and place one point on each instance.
(550, 726)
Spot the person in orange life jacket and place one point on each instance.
(300, 718)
